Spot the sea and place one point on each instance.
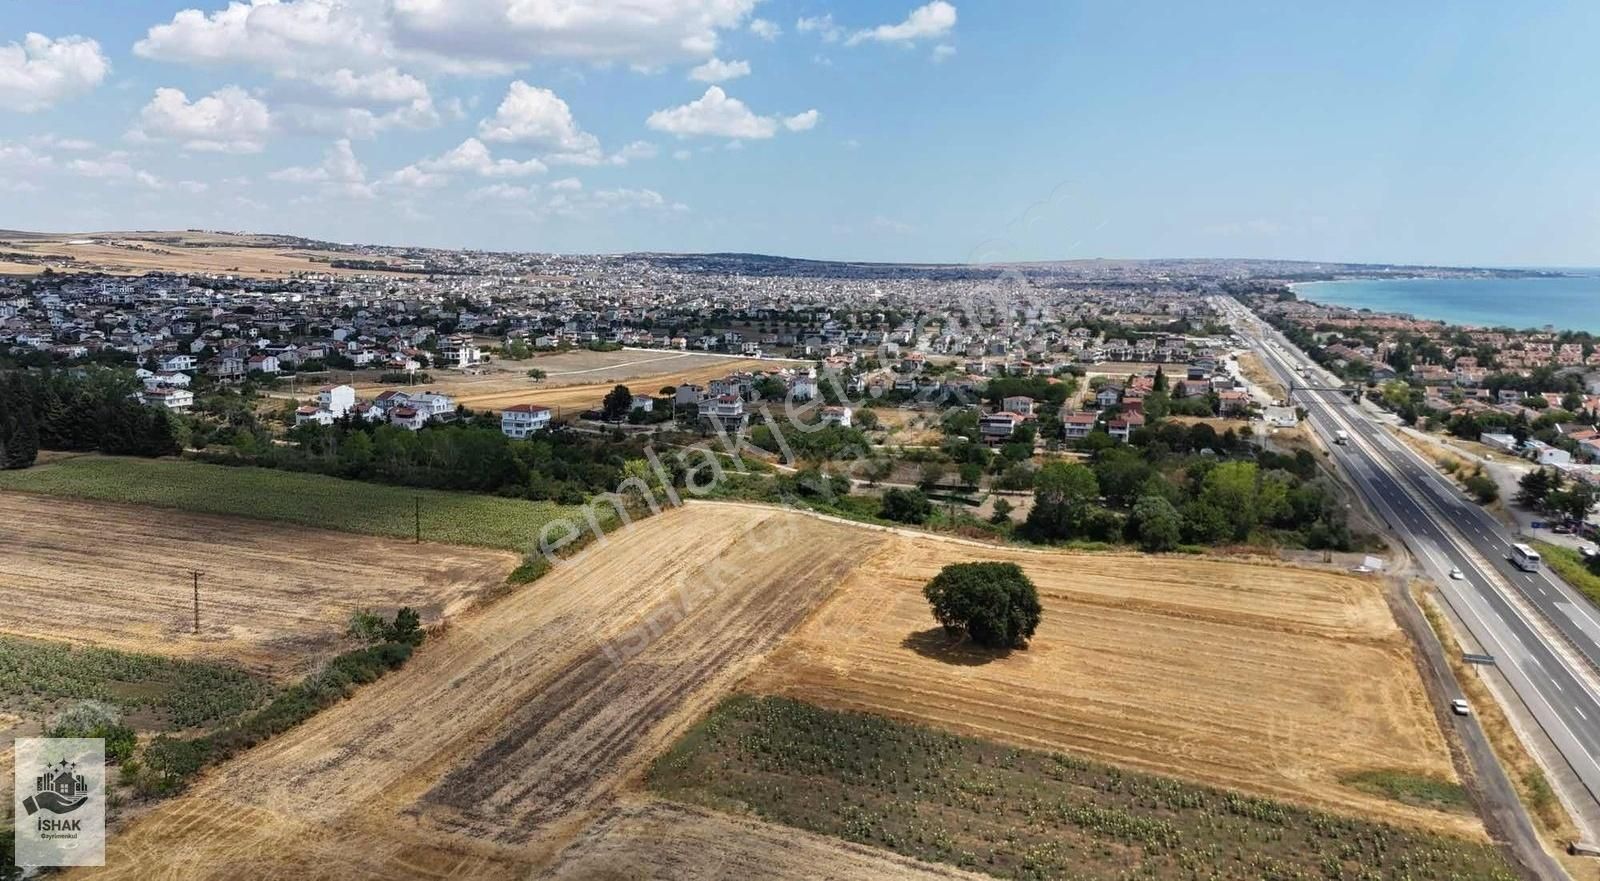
(1563, 303)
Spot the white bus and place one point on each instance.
(1524, 558)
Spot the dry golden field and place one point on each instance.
(273, 597)
(514, 743)
(1248, 675)
(508, 734)
(572, 387)
(135, 253)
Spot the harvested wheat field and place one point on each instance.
(581, 388)
(273, 597)
(670, 842)
(509, 733)
(1252, 676)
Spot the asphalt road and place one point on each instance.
(1545, 639)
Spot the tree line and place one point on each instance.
(89, 409)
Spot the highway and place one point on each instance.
(1545, 638)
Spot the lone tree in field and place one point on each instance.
(992, 603)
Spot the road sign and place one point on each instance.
(1538, 524)
(1478, 659)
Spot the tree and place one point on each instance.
(994, 604)
(407, 627)
(1063, 494)
(1158, 524)
(617, 404)
(1535, 487)
(905, 506)
(1483, 488)
(1002, 512)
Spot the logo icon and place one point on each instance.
(59, 790)
(59, 801)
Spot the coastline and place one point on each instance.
(1527, 304)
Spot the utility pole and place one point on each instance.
(196, 573)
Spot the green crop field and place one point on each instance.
(294, 497)
(36, 675)
(1022, 814)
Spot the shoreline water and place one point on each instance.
(1570, 302)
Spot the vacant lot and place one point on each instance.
(579, 380)
(507, 734)
(304, 499)
(273, 597)
(1279, 681)
(1022, 813)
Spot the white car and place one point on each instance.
(1460, 707)
(1455, 572)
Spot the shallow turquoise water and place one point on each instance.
(1566, 303)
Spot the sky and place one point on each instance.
(883, 130)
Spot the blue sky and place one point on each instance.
(950, 131)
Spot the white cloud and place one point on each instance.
(54, 142)
(226, 121)
(822, 25)
(943, 51)
(21, 157)
(764, 29)
(925, 22)
(340, 172)
(382, 87)
(283, 37)
(537, 117)
(566, 184)
(802, 122)
(511, 33)
(635, 150)
(681, 155)
(716, 114)
(462, 36)
(40, 72)
(715, 70)
(473, 157)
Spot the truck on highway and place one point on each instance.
(1341, 437)
(1524, 558)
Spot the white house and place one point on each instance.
(176, 399)
(459, 351)
(1122, 427)
(176, 363)
(725, 409)
(521, 420)
(1022, 405)
(1078, 425)
(407, 417)
(996, 427)
(336, 399)
(267, 364)
(433, 405)
(839, 416)
(644, 403)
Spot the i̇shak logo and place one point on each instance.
(59, 790)
(60, 801)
